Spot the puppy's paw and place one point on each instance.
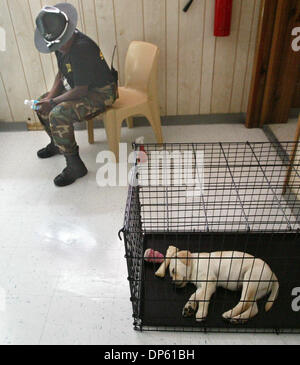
(201, 314)
(234, 320)
(200, 319)
(189, 309)
(238, 320)
(227, 315)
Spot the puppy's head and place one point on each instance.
(180, 268)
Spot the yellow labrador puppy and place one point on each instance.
(231, 270)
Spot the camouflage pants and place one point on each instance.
(59, 122)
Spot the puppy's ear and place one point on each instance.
(171, 251)
(185, 257)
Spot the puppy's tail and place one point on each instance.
(274, 293)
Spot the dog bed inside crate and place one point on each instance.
(245, 204)
(162, 302)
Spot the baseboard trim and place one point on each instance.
(13, 126)
(142, 121)
(294, 113)
(165, 121)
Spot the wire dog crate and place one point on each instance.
(215, 197)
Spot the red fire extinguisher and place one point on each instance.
(223, 10)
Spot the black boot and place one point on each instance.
(75, 169)
(51, 149)
(48, 151)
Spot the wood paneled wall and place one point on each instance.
(198, 73)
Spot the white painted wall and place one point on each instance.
(198, 74)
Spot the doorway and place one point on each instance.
(275, 87)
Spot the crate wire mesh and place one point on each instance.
(235, 202)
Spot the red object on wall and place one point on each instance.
(223, 10)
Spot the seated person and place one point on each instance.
(84, 85)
